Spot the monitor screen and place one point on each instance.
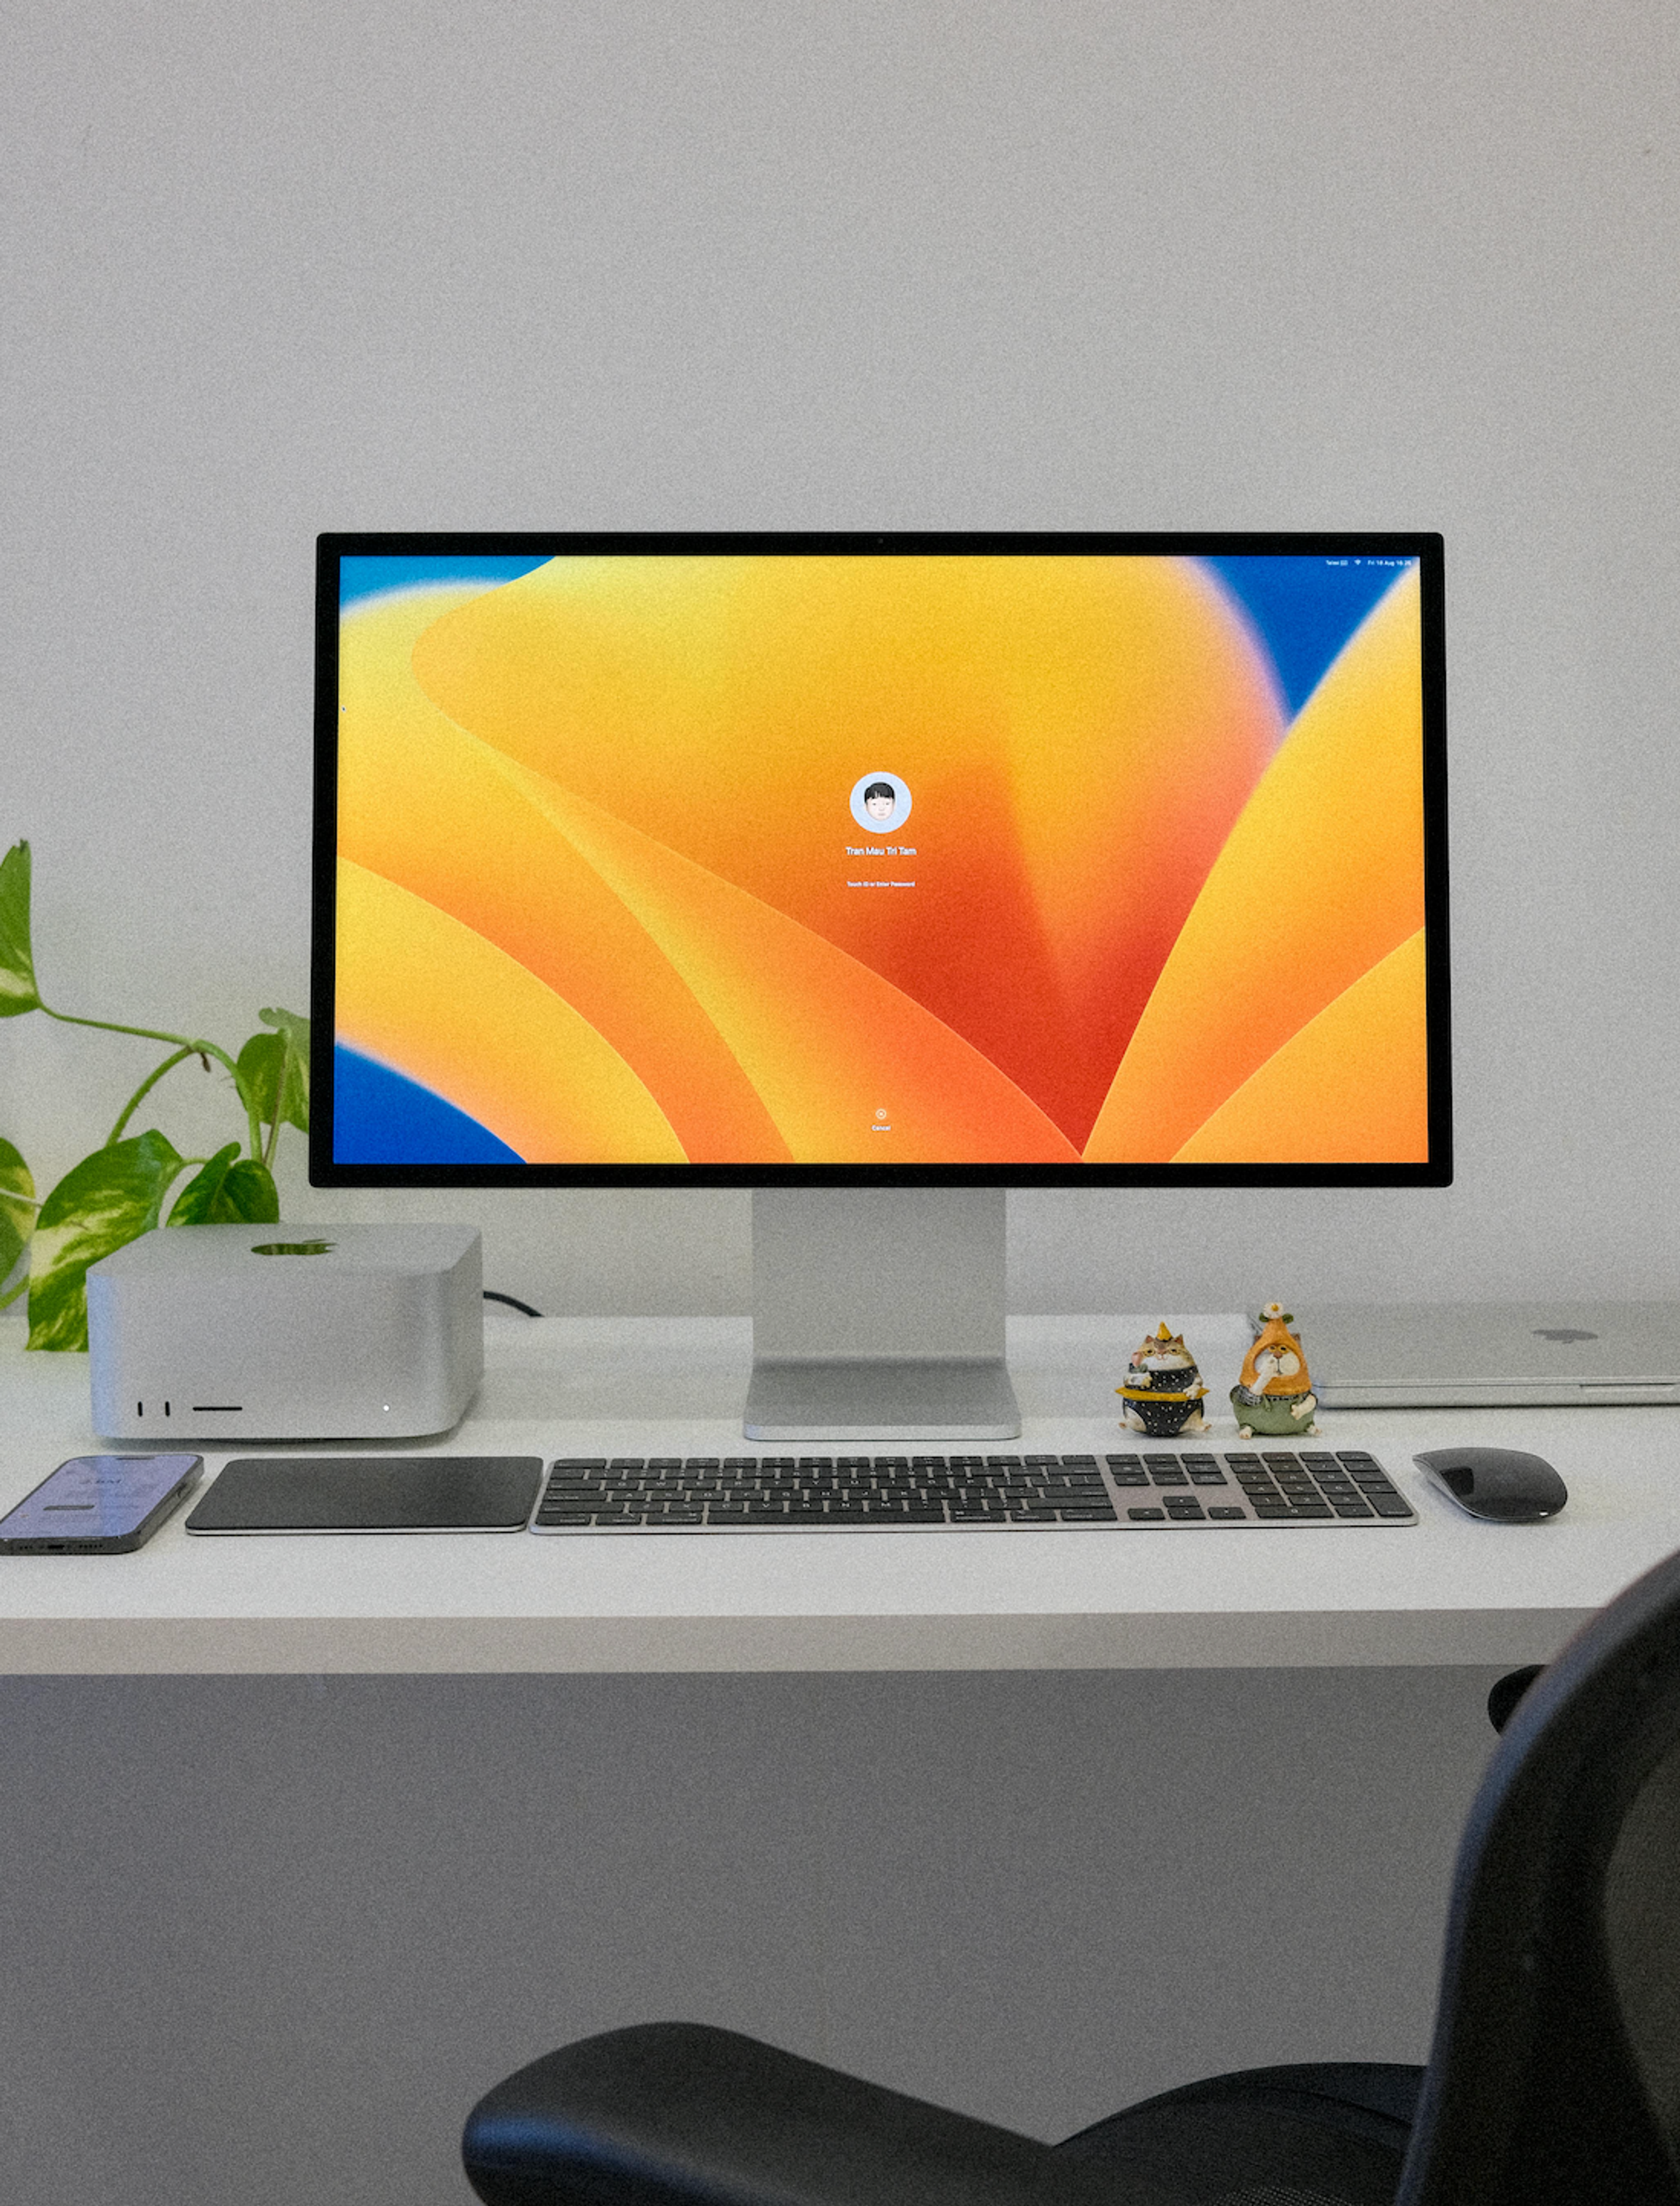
(947, 858)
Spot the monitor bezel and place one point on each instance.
(1425, 546)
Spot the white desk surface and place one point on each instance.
(1448, 1590)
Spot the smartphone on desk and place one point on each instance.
(99, 1505)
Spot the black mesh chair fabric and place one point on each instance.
(1553, 2079)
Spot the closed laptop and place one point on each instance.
(1465, 1355)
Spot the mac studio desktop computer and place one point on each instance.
(879, 873)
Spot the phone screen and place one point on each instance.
(98, 1498)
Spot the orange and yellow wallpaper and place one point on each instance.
(613, 888)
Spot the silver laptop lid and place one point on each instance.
(1465, 1355)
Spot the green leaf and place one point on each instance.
(249, 1196)
(295, 1029)
(107, 1200)
(228, 1190)
(257, 1071)
(18, 991)
(273, 1072)
(17, 1217)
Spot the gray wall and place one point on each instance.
(888, 262)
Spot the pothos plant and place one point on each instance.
(125, 1187)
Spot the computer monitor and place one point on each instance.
(879, 872)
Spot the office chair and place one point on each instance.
(1553, 2078)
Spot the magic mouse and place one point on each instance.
(1502, 1484)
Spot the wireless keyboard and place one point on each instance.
(1130, 1490)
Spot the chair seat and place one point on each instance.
(681, 2114)
(1332, 2134)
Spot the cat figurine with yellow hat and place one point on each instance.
(1274, 1397)
(1163, 1391)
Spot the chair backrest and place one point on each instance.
(1554, 2078)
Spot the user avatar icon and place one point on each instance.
(880, 803)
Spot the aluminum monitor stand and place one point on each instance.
(877, 1314)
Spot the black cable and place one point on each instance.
(512, 1302)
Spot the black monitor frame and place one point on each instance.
(1426, 548)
